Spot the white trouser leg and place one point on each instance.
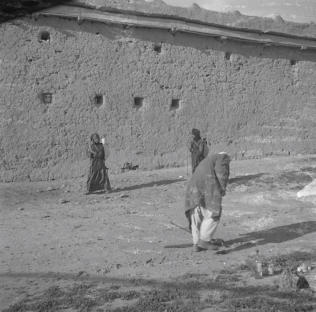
(208, 225)
(196, 220)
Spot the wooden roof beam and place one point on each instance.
(178, 25)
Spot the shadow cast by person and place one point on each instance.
(274, 235)
(245, 178)
(295, 179)
(149, 184)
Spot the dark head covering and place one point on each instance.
(208, 184)
(196, 132)
(94, 136)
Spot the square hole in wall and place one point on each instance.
(227, 55)
(44, 36)
(157, 48)
(46, 97)
(138, 102)
(98, 100)
(293, 62)
(175, 104)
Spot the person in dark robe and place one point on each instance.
(98, 179)
(203, 199)
(198, 149)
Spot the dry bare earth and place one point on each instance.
(64, 251)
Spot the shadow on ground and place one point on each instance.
(285, 180)
(239, 180)
(149, 184)
(274, 235)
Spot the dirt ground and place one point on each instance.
(61, 250)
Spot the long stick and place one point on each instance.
(180, 227)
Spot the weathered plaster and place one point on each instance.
(253, 104)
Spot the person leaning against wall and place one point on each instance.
(98, 179)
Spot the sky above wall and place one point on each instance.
(300, 11)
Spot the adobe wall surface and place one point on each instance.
(255, 102)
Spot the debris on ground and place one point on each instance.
(129, 166)
(124, 196)
(63, 201)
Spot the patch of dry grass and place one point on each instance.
(81, 297)
(187, 294)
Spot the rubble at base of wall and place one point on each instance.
(77, 169)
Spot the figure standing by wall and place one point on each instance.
(98, 179)
(198, 148)
(203, 199)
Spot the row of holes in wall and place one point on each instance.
(44, 36)
(47, 98)
(139, 101)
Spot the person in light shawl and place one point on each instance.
(203, 199)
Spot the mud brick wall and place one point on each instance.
(144, 90)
